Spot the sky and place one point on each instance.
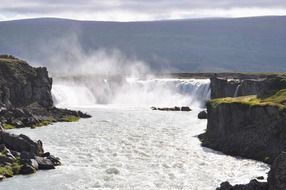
(138, 10)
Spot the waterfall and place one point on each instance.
(131, 91)
(236, 90)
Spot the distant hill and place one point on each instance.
(256, 44)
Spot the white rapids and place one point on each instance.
(132, 91)
(133, 148)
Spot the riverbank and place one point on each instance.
(251, 126)
(26, 101)
(128, 147)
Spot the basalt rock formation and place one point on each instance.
(22, 85)
(21, 155)
(262, 87)
(25, 96)
(276, 178)
(26, 101)
(249, 126)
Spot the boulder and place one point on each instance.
(203, 115)
(55, 160)
(27, 155)
(112, 171)
(19, 143)
(30, 162)
(44, 163)
(27, 169)
(186, 108)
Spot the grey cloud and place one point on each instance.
(155, 8)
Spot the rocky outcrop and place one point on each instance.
(25, 96)
(22, 85)
(263, 87)
(21, 155)
(277, 174)
(276, 178)
(256, 132)
(184, 108)
(221, 87)
(252, 185)
(26, 101)
(203, 115)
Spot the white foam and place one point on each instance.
(132, 91)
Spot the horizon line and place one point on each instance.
(159, 20)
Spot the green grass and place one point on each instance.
(9, 126)
(278, 99)
(43, 123)
(6, 171)
(51, 120)
(71, 119)
(13, 169)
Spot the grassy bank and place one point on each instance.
(278, 99)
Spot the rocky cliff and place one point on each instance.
(249, 126)
(22, 85)
(276, 178)
(263, 87)
(21, 155)
(25, 96)
(256, 132)
(26, 101)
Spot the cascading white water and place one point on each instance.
(236, 90)
(72, 95)
(132, 91)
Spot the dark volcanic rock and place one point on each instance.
(184, 108)
(26, 101)
(277, 174)
(203, 115)
(45, 163)
(221, 87)
(25, 96)
(263, 87)
(29, 155)
(276, 178)
(253, 185)
(27, 169)
(22, 84)
(20, 143)
(256, 132)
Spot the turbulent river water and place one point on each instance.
(130, 147)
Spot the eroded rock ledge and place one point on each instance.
(21, 155)
(276, 178)
(26, 101)
(25, 96)
(249, 126)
